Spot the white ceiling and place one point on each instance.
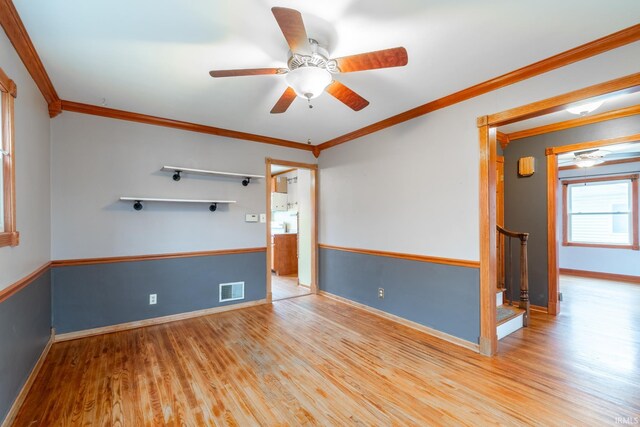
(278, 168)
(153, 57)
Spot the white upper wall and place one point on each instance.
(33, 205)
(414, 187)
(97, 160)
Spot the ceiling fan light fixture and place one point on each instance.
(309, 82)
(586, 108)
(588, 162)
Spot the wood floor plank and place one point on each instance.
(313, 361)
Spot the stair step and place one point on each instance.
(509, 320)
(499, 297)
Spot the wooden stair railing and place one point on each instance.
(524, 270)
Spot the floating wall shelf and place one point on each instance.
(137, 205)
(177, 171)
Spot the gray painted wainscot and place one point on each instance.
(442, 297)
(98, 295)
(25, 329)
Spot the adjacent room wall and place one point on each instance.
(414, 188)
(526, 198)
(96, 161)
(601, 260)
(25, 316)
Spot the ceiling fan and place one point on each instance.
(588, 158)
(310, 71)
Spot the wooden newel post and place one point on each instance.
(524, 278)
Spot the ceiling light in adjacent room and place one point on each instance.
(587, 163)
(585, 108)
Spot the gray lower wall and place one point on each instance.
(25, 327)
(442, 297)
(92, 296)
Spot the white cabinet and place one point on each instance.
(278, 201)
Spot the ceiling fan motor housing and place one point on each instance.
(319, 58)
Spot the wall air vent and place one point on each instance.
(231, 291)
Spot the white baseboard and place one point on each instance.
(154, 321)
(413, 325)
(17, 404)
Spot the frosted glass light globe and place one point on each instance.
(309, 82)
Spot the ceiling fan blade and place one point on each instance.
(396, 57)
(292, 26)
(285, 100)
(585, 152)
(347, 96)
(243, 72)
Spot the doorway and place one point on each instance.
(291, 229)
(594, 199)
(488, 138)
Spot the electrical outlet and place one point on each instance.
(380, 293)
(153, 299)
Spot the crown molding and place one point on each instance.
(580, 121)
(601, 91)
(503, 139)
(591, 144)
(112, 113)
(17, 34)
(19, 37)
(596, 47)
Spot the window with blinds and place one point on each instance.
(601, 211)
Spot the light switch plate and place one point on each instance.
(263, 217)
(251, 218)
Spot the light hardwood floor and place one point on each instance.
(286, 287)
(315, 361)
